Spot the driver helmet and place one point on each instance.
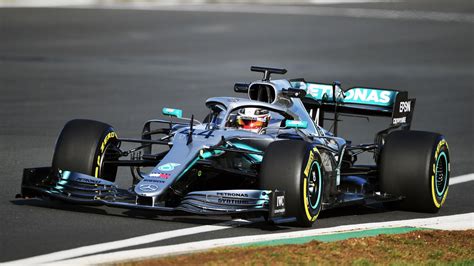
(252, 119)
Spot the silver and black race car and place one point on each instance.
(267, 155)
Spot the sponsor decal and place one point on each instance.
(203, 133)
(405, 107)
(232, 201)
(168, 167)
(369, 96)
(280, 201)
(399, 120)
(296, 124)
(86, 180)
(279, 211)
(228, 194)
(155, 180)
(378, 97)
(277, 207)
(160, 175)
(172, 112)
(148, 187)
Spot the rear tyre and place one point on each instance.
(416, 166)
(295, 167)
(82, 147)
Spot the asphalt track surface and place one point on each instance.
(123, 66)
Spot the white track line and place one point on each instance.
(56, 3)
(461, 179)
(312, 10)
(87, 250)
(44, 3)
(302, 10)
(462, 222)
(140, 240)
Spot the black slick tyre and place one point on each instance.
(82, 147)
(295, 167)
(416, 166)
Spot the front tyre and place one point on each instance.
(295, 167)
(83, 146)
(416, 166)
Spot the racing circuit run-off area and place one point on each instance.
(453, 247)
(211, 133)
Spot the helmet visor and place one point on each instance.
(250, 123)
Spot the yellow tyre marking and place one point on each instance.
(435, 201)
(444, 197)
(306, 204)
(433, 192)
(440, 144)
(316, 216)
(305, 184)
(308, 165)
(102, 148)
(306, 201)
(106, 139)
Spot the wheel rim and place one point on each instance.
(314, 185)
(441, 174)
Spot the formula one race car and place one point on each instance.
(268, 156)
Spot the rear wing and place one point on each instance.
(357, 101)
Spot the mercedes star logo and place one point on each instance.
(148, 187)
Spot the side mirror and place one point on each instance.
(294, 92)
(241, 87)
(172, 112)
(296, 124)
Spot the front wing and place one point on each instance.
(83, 189)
